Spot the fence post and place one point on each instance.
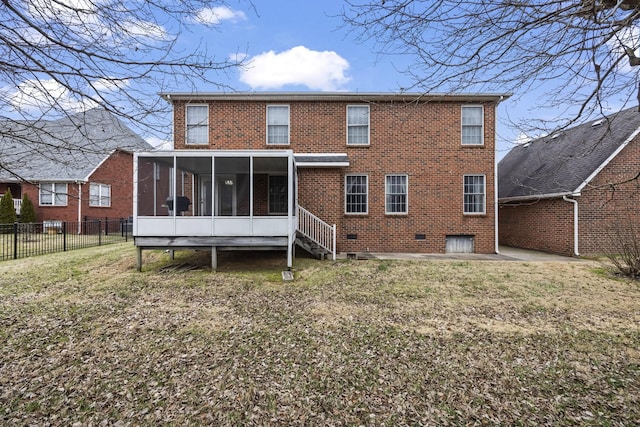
(106, 226)
(64, 236)
(15, 240)
(99, 233)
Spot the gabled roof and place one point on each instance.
(563, 163)
(67, 149)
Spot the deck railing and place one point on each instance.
(315, 229)
(16, 205)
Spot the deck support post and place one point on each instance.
(172, 254)
(139, 268)
(290, 256)
(214, 258)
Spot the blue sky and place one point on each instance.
(288, 46)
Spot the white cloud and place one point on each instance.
(215, 15)
(159, 143)
(137, 29)
(109, 84)
(32, 96)
(297, 66)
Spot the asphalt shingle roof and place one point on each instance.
(562, 162)
(68, 149)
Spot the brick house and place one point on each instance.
(72, 168)
(567, 192)
(393, 172)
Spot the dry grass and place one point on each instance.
(89, 341)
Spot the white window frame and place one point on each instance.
(483, 194)
(474, 126)
(188, 127)
(99, 200)
(54, 192)
(366, 194)
(276, 124)
(387, 194)
(359, 125)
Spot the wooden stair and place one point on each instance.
(311, 247)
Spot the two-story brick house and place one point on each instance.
(393, 172)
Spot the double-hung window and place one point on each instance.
(53, 194)
(99, 195)
(356, 194)
(357, 125)
(396, 192)
(278, 124)
(474, 194)
(472, 129)
(197, 124)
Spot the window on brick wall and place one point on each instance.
(396, 194)
(356, 194)
(99, 195)
(197, 132)
(472, 130)
(357, 125)
(278, 124)
(53, 194)
(474, 194)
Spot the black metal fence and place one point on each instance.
(25, 240)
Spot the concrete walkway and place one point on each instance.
(506, 254)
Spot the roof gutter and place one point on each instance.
(575, 224)
(334, 96)
(538, 197)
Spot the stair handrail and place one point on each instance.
(317, 230)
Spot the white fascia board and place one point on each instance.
(607, 161)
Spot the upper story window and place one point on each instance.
(474, 194)
(278, 124)
(357, 125)
(356, 194)
(197, 124)
(472, 129)
(99, 195)
(53, 194)
(396, 192)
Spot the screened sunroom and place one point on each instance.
(195, 199)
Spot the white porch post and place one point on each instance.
(290, 209)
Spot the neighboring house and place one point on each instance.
(393, 172)
(566, 192)
(76, 167)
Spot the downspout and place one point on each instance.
(495, 178)
(575, 224)
(79, 208)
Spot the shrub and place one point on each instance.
(624, 247)
(27, 211)
(7, 211)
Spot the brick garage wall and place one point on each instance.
(611, 201)
(545, 225)
(421, 140)
(116, 171)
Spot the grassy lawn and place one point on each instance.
(87, 340)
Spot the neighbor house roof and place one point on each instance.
(564, 162)
(67, 149)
